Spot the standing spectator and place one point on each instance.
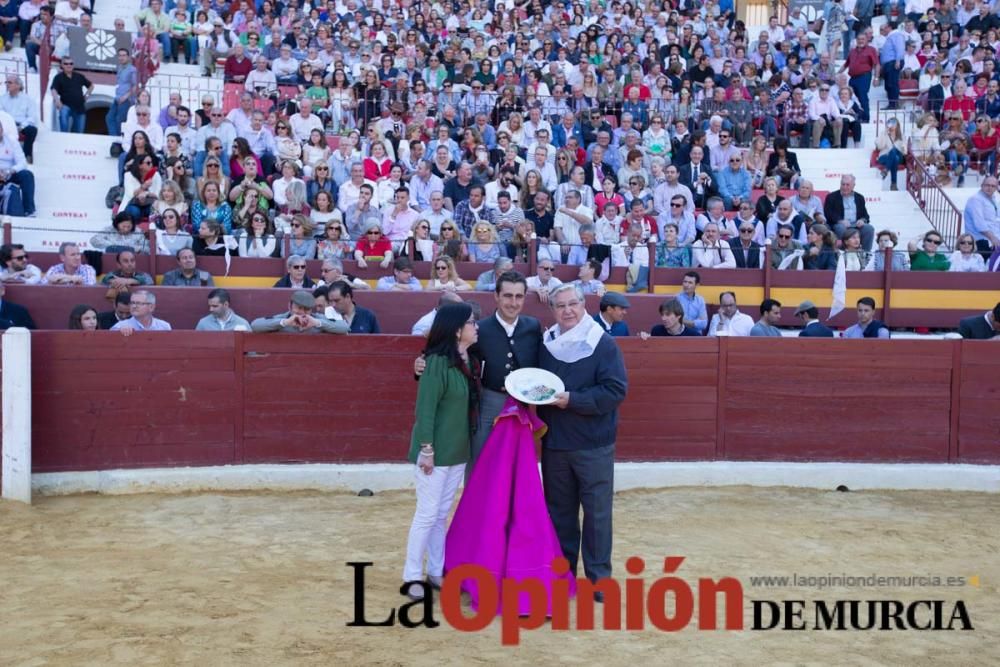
(126, 89)
(862, 65)
(981, 218)
(891, 61)
(70, 91)
(614, 307)
(24, 111)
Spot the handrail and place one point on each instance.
(922, 185)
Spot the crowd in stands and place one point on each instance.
(365, 129)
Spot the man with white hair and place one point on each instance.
(14, 169)
(24, 110)
(216, 127)
(261, 81)
(305, 121)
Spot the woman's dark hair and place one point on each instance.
(781, 143)
(121, 217)
(76, 315)
(443, 337)
(242, 148)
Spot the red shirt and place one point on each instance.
(234, 68)
(375, 170)
(374, 251)
(986, 142)
(861, 61)
(964, 104)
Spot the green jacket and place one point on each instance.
(442, 413)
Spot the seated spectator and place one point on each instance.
(673, 322)
(981, 327)
(729, 321)
(715, 211)
(419, 246)
(768, 202)
(487, 281)
(966, 259)
(373, 247)
(14, 170)
(249, 180)
(783, 165)
(473, 210)
(587, 278)
(24, 111)
(669, 253)
(451, 243)
(841, 213)
(710, 252)
(121, 235)
(543, 283)
(141, 306)
(335, 243)
(170, 235)
(734, 182)
(887, 240)
(123, 278)
(83, 318)
(70, 270)
(142, 188)
(812, 327)
(891, 148)
(786, 216)
(333, 270)
(212, 239)
(377, 164)
(808, 205)
(14, 266)
(257, 238)
(212, 206)
(360, 320)
(171, 197)
(11, 314)
(299, 318)
(747, 253)
(981, 218)
(484, 246)
(423, 326)
(187, 273)
(867, 326)
(301, 241)
(122, 311)
(401, 280)
(568, 219)
(323, 211)
(220, 314)
(296, 276)
(855, 259)
(927, 258)
(770, 317)
(821, 251)
(446, 277)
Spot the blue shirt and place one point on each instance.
(981, 216)
(156, 325)
(126, 79)
(894, 48)
(694, 310)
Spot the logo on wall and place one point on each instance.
(811, 9)
(96, 49)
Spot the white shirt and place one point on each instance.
(739, 325)
(719, 255)
(535, 283)
(619, 255)
(570, 226)
(301, 127)
(424, 324)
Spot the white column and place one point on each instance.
(17, 415)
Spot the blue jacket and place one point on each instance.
(597, 385)
(816, 329)
(734, 183)
(364, 322)
(560, 136)
(617, 329)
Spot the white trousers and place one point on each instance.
(435, 493)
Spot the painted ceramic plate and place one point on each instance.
(534, 386)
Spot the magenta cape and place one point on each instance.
(502, 523)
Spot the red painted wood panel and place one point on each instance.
(815, 400)
(979, 400)
(102, 401)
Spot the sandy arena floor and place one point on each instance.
(259, 579)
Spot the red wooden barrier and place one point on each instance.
(102, 401)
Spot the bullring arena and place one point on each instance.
(242, 497)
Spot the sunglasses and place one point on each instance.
(784, 236)
(934, 241)
(374, 234)
(547, 268)
(746, 230)
(441, 268)
(959, 243)
(673, 205)
(21, 257)
(734, 161)
(296, 225)
(299, 266)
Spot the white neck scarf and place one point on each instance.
(575, 344)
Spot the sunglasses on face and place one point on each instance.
(374, 233)
(676, 205)
(934, 241)
(299, 266)
(784, 236)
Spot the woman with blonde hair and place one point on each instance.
(420, 239)
(565, 162)
(445, 276)
(484, 246)
(212, 173)
(301, 241)
(171, 196)
(891, 151)
(514, 127)
(984, 145)
(451, 243)
(925, 141)
(966, 259)
(335, 243)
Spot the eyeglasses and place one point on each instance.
(746, 230)
(784, 236)
(547, 268)
(216, 115)
(934, 241)
(296, 225)
(734, 161)
(137, 113)
(322, 169)
(564, 306)
(443, 267)
(447, 229)
(211, 166)
(299, 266)
(424, 227)
(676, 205)
(20, 257)
(723, 136)
(374, 233)
(133, 304)
(959, 243)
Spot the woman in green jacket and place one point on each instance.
(439, 445)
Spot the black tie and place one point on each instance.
(694, 173)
